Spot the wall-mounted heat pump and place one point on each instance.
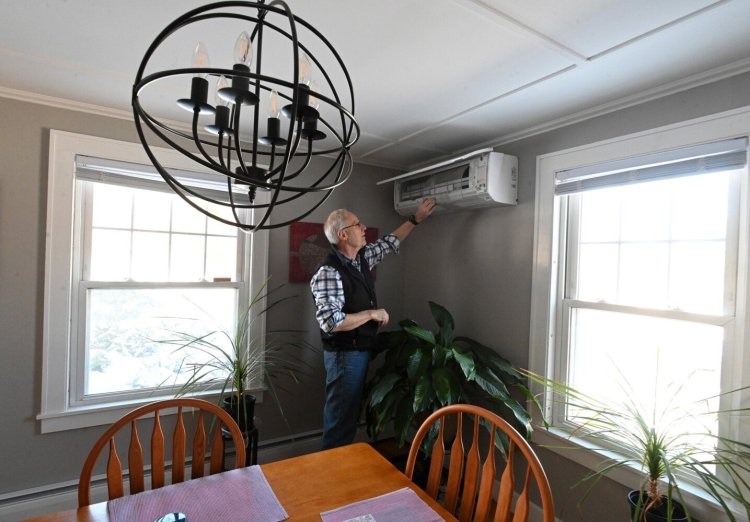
(481, 179)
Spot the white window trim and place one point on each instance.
(57, 413)
(546, 286)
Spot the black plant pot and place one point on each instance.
(656, 514)
(242, 413)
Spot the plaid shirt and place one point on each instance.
(328, 290)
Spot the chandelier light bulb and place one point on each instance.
(221, 83)
(200, 59)
(274, 111)
(243, 49)
(305, 69)
(314, 101)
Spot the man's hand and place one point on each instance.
(425, 209)
(380, 316)
(357, 319)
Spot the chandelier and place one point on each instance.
(271, 131)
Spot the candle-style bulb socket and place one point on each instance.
(310, 130)
(304, 111)
(221, 121)
(239, 92)
(274, 133)
(198, 97)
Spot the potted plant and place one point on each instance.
(660, 443)
(230, 360)
(424, 371)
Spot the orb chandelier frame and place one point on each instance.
(243, 162)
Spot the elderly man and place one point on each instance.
(348, 313)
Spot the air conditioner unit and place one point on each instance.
(480, 179)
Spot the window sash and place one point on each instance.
(548, 287)
(61, 300)
(79, 350)
(137, 175)
(686, 161)
(569, 218)
(121, 175)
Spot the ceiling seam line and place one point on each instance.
(623, 103)
(496, 13)
(486, 102)
(657, 30)
(393, 144)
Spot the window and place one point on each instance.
(641, 261)
(128, 261)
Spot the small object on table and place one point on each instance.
(396, 506)
(172, 517)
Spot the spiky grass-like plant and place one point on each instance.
(232, 359)
(670, 444)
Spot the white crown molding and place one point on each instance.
(684, 84)
(696, 80)
(63, 103)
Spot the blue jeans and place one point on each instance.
(345, 380)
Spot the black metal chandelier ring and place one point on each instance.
(320, 129)
(153, 122)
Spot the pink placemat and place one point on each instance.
(238, 495)
(396, 506)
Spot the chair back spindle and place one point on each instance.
(135, 456)
(467, 491)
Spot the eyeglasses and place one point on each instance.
(358, 223)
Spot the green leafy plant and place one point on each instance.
(668, 443)
(424, 371)
(229, 360)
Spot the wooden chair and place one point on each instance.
(465, 493)
(179, 446)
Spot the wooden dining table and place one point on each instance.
(308, 485)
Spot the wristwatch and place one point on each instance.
(413, 220)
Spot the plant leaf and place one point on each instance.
(466, 362)
(444, 320)
(421, 333)
(441, 383)
(440, 356)
(383, 386)
(416, 365)
(422, 394)
(491, 383)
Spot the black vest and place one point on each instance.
(359, 295)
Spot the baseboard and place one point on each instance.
(20, 505)
(23, 504)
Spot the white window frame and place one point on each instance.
(544, 355)
(59, 410)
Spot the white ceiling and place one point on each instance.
(431, 78)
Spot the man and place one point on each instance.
(348, 314)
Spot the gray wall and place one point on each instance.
(477, 264)
(31, 459)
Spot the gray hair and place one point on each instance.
(335, 221)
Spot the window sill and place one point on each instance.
(102, 414)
